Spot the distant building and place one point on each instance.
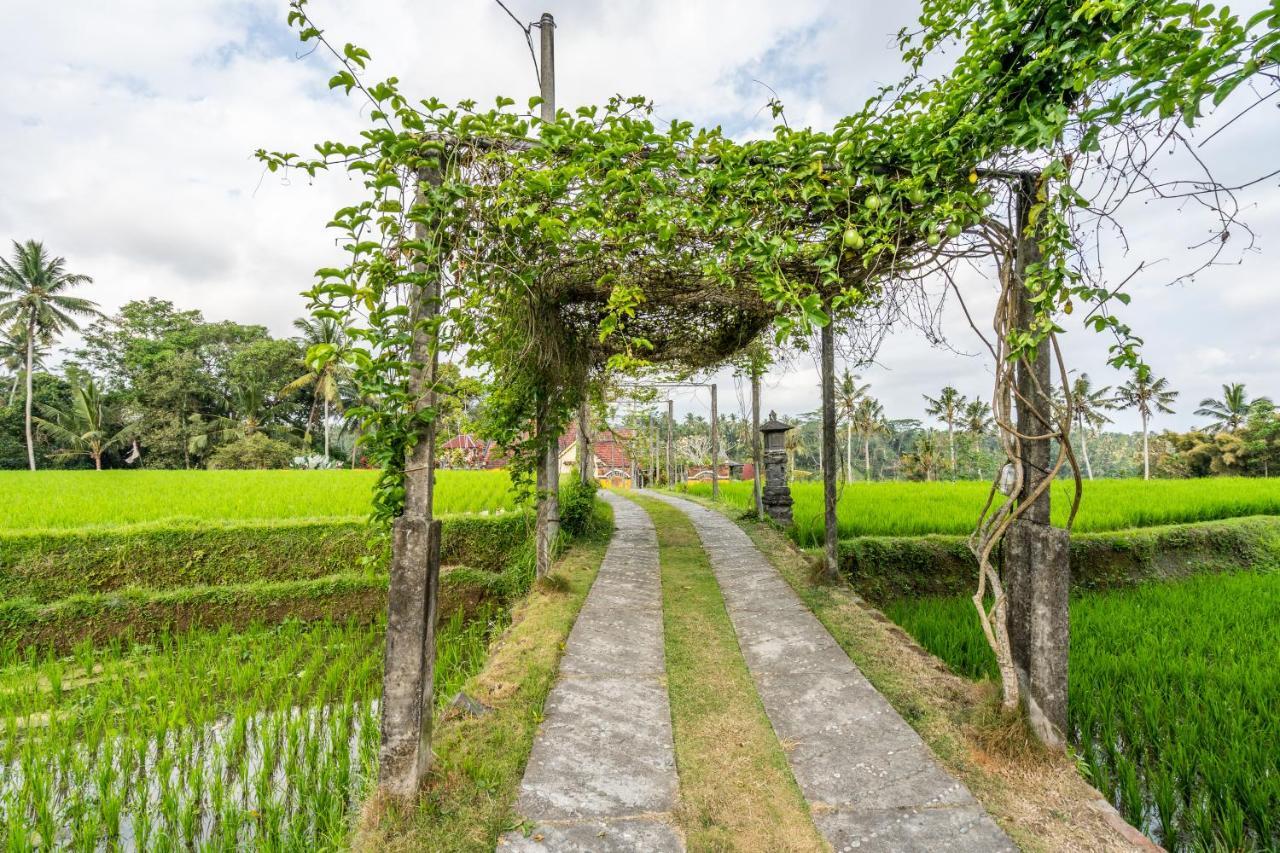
(728, 471)
(467, 451)
(610, 460)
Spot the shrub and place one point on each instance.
(252, 452)
(577, 502)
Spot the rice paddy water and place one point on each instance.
(219, 740)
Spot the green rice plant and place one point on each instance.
(61, 500)
(264, 737)
(917, 509)
(1172, 699)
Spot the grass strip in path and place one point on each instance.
(479, 760)
(1039, 800)
(736, 790)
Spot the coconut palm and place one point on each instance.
(1149, 395)
(923, 460)
(249, 414)
(977, 422)
(848, 396)
(1229, 413)
(947, 407)
(83, 427)
(1088, 405)
(13, 355)
(867, 420)
(33, 294)
(326, 371)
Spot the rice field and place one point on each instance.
(916, 509)
(43, 500)
(265, 738)
(1174, 700)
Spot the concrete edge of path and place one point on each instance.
(871, 782)
(601, 775)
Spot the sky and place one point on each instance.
(130, 127)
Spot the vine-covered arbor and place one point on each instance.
(548, 250)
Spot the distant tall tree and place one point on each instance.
(323, 339)
(1229, 413)
(13, 355)
(848, 395)
(922, 462)
(33, 294)
(1149, 395)
(947, 407)
(977, 423)
(867, 420)
(84, 428)
(1088, 405)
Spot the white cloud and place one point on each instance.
(129, 130)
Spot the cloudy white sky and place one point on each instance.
(129, 129)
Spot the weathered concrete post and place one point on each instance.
(671, 451)
(830, 459)
(409, 658)
(776, 496)
(547, 477)
(586, 463)
(1036, 554)
(715, 446)
(757, 451)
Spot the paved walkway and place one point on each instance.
(871, 782)
(602, 774)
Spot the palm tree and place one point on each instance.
(1231, 411)
(83, 427)
(867, 420)
(13, 355)
(1148, 395)
(977, 423)
(923, 460)
(249, 414)
(326, 370)
(848, 395)
(947, 407)
(1088, 405)
(32, 294)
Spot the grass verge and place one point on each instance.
(1040, 800)
(470, 796)
(736, 790)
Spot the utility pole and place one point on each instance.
(715, 446)
(547, 67)
(548, 521)
(671, 455)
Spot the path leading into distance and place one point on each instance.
(871, 782)
(602, 774)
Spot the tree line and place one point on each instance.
(955, 438)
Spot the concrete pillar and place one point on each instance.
(1037, 570)
(409, 660)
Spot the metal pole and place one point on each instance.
(715, 446)
(547, 29)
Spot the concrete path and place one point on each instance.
(871, 782)
(602, 774)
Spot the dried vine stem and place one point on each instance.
(998, 516)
